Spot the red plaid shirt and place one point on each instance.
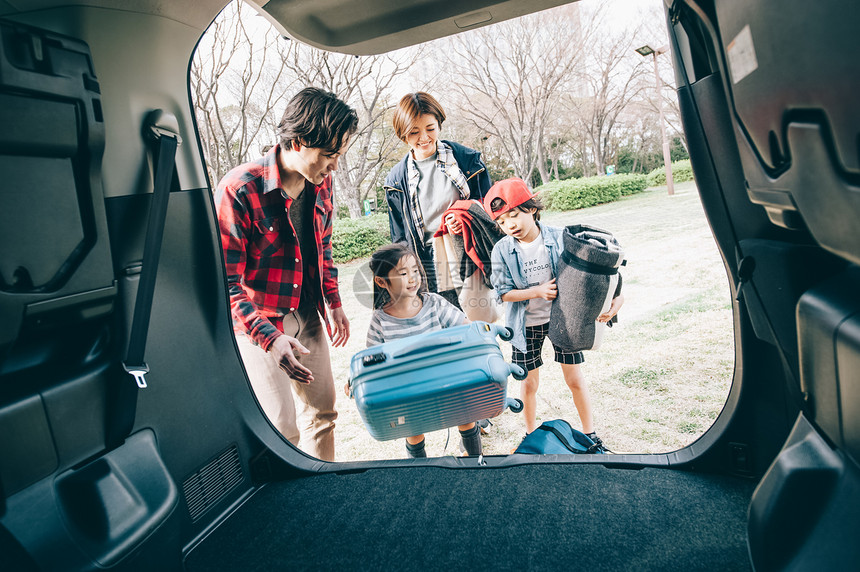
(261, 251)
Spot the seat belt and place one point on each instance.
(164, 129)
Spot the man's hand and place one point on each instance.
(613, 309)
(547, 290)
(341, 328)
(454, 225)
(284, 348)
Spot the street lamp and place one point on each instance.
(646, 51)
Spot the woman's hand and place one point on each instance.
(454, 225)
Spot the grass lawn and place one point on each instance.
(662, 373)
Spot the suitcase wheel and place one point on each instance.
(506, 334)
(518, 372)
(515, 405)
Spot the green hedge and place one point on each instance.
(681, 171)
(572, 194)
(357, 238)
(630, 183)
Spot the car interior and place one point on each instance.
(131, 440)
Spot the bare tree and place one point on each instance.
(366, 84)
(243, 73)
(509, 78)
(637, 133)
(531, 94)
(612, 80)
(238, 79)
(654, 29)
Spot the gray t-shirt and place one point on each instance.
(436, 314)
(436, 193)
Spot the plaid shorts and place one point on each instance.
(532, 359)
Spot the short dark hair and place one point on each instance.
(317, 119)
(533, 203)
(411, 107)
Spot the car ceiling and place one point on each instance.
(196, 14)
(359, 27)
(378, 26)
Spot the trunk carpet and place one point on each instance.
(531, 517)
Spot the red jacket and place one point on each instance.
(261, 251)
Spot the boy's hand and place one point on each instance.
(613, 309)
(547, 290)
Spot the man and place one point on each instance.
(275, 218)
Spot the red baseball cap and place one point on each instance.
(513, 192)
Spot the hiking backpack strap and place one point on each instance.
(590, 267)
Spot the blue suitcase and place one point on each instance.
(432, 381)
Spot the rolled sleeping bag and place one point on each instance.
(587, 277)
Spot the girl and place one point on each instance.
(404, 307)
(433, 175)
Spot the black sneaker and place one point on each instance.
(598, 446)
(484, 424)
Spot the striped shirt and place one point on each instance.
(261, 250)
(436, 314)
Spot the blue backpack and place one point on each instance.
(557, 437)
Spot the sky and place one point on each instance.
(624, 14)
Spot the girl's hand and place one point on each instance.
(547, 290)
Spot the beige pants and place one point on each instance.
(281, 397)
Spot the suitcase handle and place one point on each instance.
(421, 347)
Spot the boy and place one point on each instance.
(524, 267)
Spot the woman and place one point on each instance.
(433, 175)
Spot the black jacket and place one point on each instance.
(397, 191)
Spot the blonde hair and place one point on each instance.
(411, 107)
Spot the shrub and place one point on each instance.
(631, 183)
(681, 171)
(547, 192)
(357, 238)
(572, 194)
